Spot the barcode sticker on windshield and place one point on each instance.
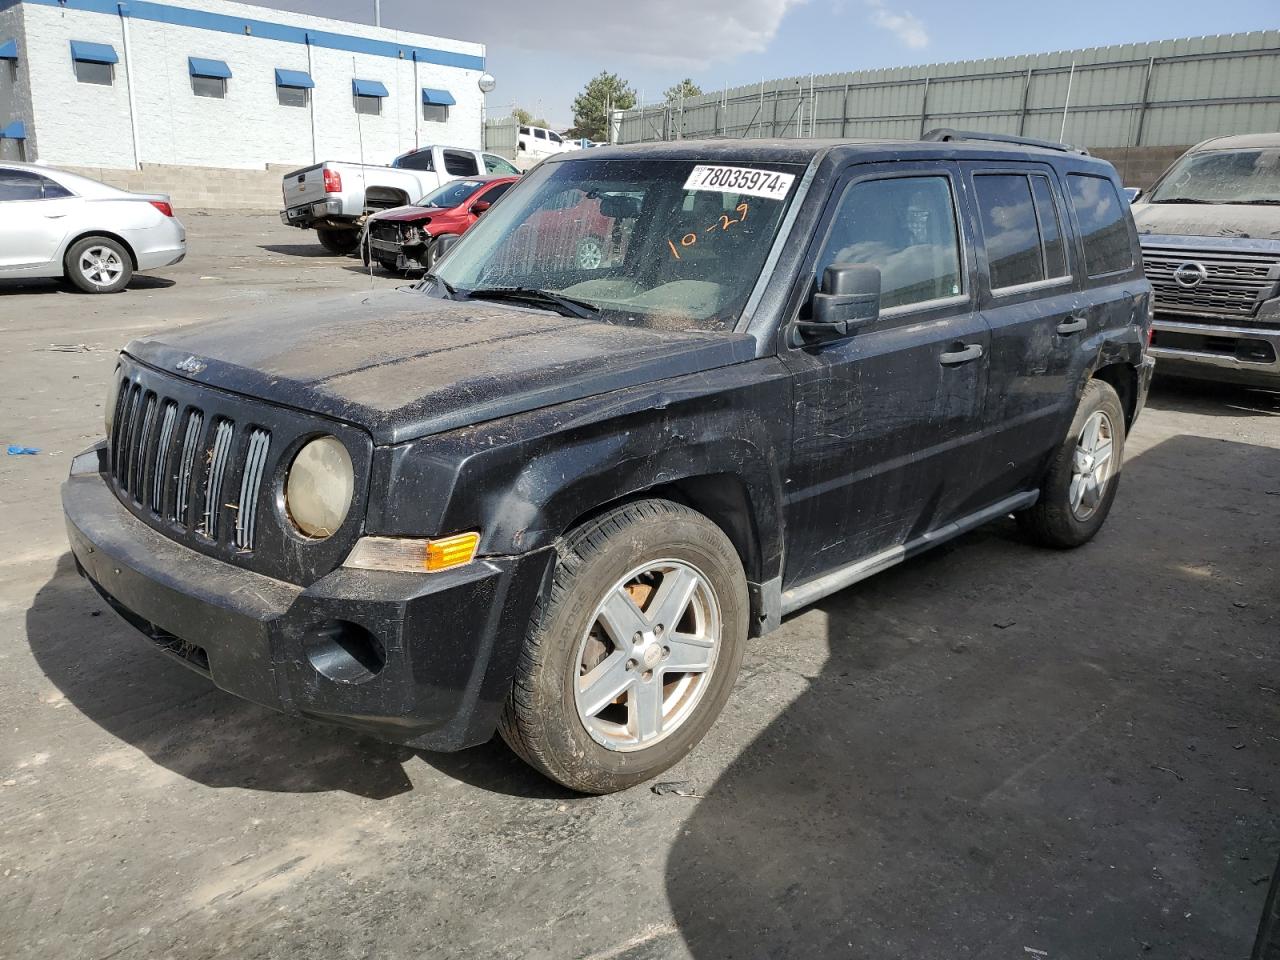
(755, 183)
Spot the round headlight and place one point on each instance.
(318, 491)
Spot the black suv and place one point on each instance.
(555, 499)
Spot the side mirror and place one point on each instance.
(848, 297)
(480, 206)
(444, 243)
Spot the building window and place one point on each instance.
(9, 59)
(293, 88)
(103, 74)
(293, 96)
(208, 77)
(214, 87)
(94, 62)
(436, 104)
(368, 96)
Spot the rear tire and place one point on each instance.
(641, 713)
(338, 242)
(1083, 475)
(99, 265)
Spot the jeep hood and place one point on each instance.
(1240, 221)
(405, 365)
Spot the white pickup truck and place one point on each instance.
(333, 198)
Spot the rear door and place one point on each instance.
(887, 420)
(35, 214)
(1029, 296)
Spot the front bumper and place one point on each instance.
(448, 642)
(1212, 351)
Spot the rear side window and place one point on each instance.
(1021, 229)
(460, 164)
(1009, 229)
(417, 161)
(1055, 250)
(1103, 229)
(24, 185)
(907, 228)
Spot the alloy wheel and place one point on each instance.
(647, 657)
(1092, 465)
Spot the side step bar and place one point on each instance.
(804, 594)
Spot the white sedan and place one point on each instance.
(55, 224)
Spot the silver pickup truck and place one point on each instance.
(1210, 233)
(333, 197)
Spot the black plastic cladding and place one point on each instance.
(247, 445)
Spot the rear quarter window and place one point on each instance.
(1103, 221)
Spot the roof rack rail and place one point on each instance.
(946, 135)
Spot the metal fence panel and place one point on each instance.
(1167, 92)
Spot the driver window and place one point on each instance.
(906, 226)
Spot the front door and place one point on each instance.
(888, 420)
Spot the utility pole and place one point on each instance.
(377, 13)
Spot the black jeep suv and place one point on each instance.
(555, 499)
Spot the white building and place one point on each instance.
(107, 84)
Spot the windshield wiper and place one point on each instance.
(1184, 200)
(568, 306)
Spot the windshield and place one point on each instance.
(451, 194)
(1222, 176)
(663, 243)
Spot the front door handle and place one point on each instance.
(54, 216)
(971, 351)
(1074, 325)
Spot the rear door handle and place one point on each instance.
(971, 351)
(54, 216)
(1074, 325)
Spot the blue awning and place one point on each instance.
(298, 79)
(86, 52)
(200, 67)
(9, 50)
(441, 98)
(368, 88)
(14, 131)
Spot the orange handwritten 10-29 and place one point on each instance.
(722, 223)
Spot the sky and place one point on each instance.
(542, 52)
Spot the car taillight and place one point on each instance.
(332, 181)
(165, 208)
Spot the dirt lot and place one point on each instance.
(991, 752)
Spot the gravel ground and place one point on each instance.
(993, 751)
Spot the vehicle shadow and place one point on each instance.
(999, 751)
(140, 281)
(314, 250)
(112, 675)
(1184, 395)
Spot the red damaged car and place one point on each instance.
(404, 238)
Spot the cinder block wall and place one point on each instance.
(191, 188)
(1139, 166)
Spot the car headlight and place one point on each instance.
(318, 491)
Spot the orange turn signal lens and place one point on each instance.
(414, 555)
(451, 552)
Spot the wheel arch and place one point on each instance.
(1123, 378)
(108, 234)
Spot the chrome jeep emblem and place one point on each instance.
(1190, 274)
(191, 365)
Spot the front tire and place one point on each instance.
(341, 243)
(633, 652)
(1084, 474)
(99, 265)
